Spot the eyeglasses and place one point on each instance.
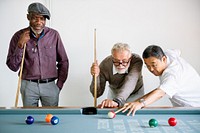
(122, 62)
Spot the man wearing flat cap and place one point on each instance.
(45, 68)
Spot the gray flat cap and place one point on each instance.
(40, 9)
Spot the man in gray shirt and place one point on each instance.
(123, 71)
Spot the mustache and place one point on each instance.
(120, 67)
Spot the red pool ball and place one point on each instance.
(172, 121)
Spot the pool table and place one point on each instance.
(71, 120)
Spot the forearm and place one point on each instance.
(14, 59)
(143, 101)
(152, 96)
(62, 73)
(100, 87)
(131, 86)
(63, 62)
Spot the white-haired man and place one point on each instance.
(123, 71)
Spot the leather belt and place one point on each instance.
(42, 80)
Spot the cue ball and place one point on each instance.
(54, 120)
(153, 123)
(111, 114)
(172, 121)
(29, 120)
(48, 118)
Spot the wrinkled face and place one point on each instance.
(37, 22)
(121, 60)
(155, 65)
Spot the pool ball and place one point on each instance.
(48, 118)
(172, 121)
(54, 120)
(153, 123)
(111, 114)
(29, 120)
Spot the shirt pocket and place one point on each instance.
(31, 53)
(50, 51)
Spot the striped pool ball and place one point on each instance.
(54, 120)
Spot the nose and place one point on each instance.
(151, 69)
(120, 64)
(38, 20)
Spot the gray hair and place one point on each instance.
(120, 47)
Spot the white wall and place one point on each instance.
(168, 23)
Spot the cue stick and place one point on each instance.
(95, 78)
(120, 109)
(20, 77)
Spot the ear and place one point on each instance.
(28, 17)
(164, 59)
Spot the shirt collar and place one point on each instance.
(168, 60)
(33, 34)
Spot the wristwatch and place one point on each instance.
(142, 101)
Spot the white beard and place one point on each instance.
(36, 33)
(122, 71)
